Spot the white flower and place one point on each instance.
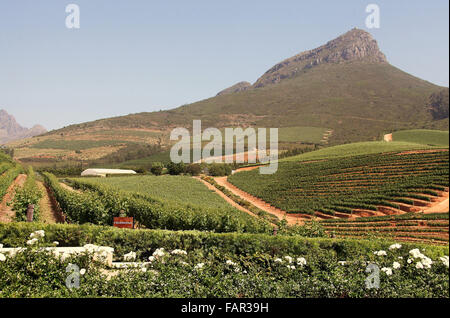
(410, 260)
(184, 263)
(245, 272)
(32, 241)
(278, 260)
(416, 253)
(144, 269)
(37, 234)
(342, 263)
(387, 270)
(291, 266)
(426, 261)
(231, 263)
(396, 265)
(400, 257)
(82, 271)
(1, 245)
(151, 258)
(178, 252)
(159, 253)
(380, 253)
(2, 257)
(56, 243)
(301, 261)
(289, 259)
(395, 246)
(129, 257)
(444, 260)
(419, 265)
(199, 266)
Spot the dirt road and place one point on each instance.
(234, 204)
(49, 213)
(439, 206)
(223, 181)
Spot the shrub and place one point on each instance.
(194, 169)
(219, 169)
(176, 168)
(157, 168)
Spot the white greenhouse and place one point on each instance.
(105, 172)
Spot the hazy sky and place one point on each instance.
(133, 56)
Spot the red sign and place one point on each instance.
(124, 222)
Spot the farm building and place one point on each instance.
(104, 172)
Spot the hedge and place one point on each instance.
(144, 242)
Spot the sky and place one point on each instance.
(142, 55)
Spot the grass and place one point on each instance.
(301, 134)
(422, 136)
(180, 189)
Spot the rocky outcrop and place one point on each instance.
(355, 45)
(10, 130)
(239, 87)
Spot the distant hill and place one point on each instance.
(10, 130)
(345, 87)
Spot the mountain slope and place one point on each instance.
(10, 130)
(345, 86)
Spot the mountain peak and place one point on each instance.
(239, 87)
(10, 130)
(355, 45)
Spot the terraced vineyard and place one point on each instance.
(366, 185)
(413, 227)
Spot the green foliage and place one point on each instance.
(79, 207)
(176, 168)
(157, 168)
(194, 169)
(7, 178)
(62, 171)
(36, 272)
(28, 194)
(219, 169)
(145, 241)
(98, 204)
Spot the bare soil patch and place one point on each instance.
(49, 211)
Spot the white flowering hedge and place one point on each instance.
(37, 272)
(196, 264)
